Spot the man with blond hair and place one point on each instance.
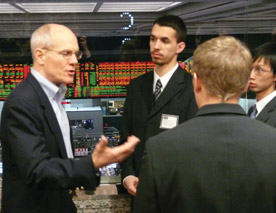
(219, 160)
(38, 161)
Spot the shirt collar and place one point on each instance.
(165, 78)
(220, 108)
(52, 91)
(263, 102)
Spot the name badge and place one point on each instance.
(169, 121)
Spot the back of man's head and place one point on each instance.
(224, 65)
(266, 51)
(174, 22)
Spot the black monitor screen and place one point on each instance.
(82, 124)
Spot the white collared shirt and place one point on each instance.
(55, 95)
(263, 102)
(165, 78)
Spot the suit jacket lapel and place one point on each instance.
(174, 85)
(264, 114)
(147, 91)
(49, 114)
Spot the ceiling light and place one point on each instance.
(57, 7)
(7, 8)
(136, 6)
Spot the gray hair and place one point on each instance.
(41, 37)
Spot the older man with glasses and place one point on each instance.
(262, 82)
(39, 165)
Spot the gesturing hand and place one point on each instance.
(104, 155)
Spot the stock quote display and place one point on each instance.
(92, 80)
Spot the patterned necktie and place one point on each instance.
(252, 112)
(157, 90)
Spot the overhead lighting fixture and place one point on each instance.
(7, 8)
(137, 6)
(57, 7)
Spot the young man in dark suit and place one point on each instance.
(149, 111)
(37, 150)
(219, 160)
(262, 83)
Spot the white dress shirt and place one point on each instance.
(55, 95)
(165, 78)
(263, 102)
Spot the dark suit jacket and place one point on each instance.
(142, 119)
(37, 173)
(268, 114)
(220, 161)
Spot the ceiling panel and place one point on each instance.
(81, 7)
(137, 6)
(6, 8)
(18, 18)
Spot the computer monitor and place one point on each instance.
(87, 127)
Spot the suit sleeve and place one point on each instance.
(146, 196)
(25, 138)
(127, 167)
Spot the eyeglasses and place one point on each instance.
(67, 54)
(259, 70)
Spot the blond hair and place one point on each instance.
(224, 65)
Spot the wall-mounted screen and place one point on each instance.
(105, 79)
(92, 80)
(11, 75)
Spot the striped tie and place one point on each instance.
(252, 112)
(157, 91)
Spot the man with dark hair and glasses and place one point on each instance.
(262, 83)
(37, 151)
